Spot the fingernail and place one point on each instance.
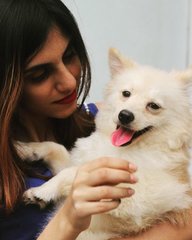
(131, 191)
(133, 178)
(132, 167)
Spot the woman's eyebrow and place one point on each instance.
(47, 65)
(38, 67)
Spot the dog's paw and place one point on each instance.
(28, 151)
(32, 196)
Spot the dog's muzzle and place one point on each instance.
(124, 135)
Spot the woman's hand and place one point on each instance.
(94, 190)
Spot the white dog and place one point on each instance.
(146, 119)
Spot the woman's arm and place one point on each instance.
(94, 181)
(165, 231)
(59, 228)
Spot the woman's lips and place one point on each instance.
(69, 99)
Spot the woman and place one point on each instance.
(44, 69)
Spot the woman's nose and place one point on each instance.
(64, 79)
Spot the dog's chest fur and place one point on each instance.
(161, 187)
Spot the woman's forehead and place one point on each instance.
(53, 48)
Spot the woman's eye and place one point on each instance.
(38, 76)
(153, 106)
(69, 55)
(126, 93)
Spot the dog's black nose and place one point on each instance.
(126, 117)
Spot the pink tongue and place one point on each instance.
(121, 136)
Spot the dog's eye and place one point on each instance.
(126, 93)
(153, 106)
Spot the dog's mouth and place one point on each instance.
(124, 136)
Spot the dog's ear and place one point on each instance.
(184, 76)
(117, 62)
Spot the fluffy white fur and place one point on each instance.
(163, 191)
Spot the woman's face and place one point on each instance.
(52, 78)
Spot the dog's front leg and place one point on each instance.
(54, 154)
(53, 190)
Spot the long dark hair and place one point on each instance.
(24, 27)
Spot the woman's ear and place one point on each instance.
(118, 63)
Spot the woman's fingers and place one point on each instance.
(106, 171)
(110, 163)
(102, 192)
(97, 186)
(88, 208)
(110, 176)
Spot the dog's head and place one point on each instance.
(141, 100)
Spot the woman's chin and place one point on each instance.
(66, 112)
